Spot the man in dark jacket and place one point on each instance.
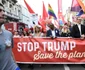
(52, 32)
(78, 30)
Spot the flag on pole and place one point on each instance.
(33, 16)
(78, 6)
(44, 13)
(51, 12)
(60, 15)
(82, 4)
(43, 18)
(28, 7)
(75, 6)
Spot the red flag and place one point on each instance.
(42, 20)
(60, 15)
(28, 7)
(42, 23)
(45, 14)
(60, 6)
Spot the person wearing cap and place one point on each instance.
(78, 30)
(7, 61)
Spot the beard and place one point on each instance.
(2, 22)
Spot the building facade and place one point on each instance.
(17, 13)
(11, 9)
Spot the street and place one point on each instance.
(53, 67)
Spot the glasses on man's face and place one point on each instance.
(2, 10)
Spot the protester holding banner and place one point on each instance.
(78, 30)
(38, 31)
(7, 61)
(65, 32)
(16, 34)
(52, 32)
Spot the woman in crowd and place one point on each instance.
(16, 34)
(38, 31)
(65, 32)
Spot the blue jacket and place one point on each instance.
(49, 33)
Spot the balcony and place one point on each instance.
(15, 1)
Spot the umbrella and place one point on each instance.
(82, 16)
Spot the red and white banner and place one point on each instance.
(47, 50)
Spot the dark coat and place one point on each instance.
(65, 34)
(75, 31)
(49, 33)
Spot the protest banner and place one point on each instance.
(47, 50)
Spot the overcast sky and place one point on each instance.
(36, 5)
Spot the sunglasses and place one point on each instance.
(2, 10)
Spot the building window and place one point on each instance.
(15, 9)
(10, 6)
(18, 10)
(3, 1)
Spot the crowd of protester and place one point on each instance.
(37, 31)
(67, 30)
(6, 42)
